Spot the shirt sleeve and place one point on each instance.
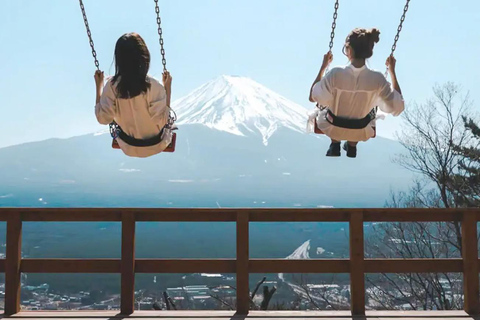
(390, 100)
(322, 92)
(105, 109)
(158, 108)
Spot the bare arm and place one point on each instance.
(391, 94)
(327, 59)
(391, 63)
(395, 83)
(167, 83)
(98, 95)
(99, 76)
(169, 95)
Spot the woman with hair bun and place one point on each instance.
(348, 96)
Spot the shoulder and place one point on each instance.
(155, 84)
(109, 82)
(377, 76)
(336, 71)
(110, 85)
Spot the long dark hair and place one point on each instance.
(362, 42)
(132, 61)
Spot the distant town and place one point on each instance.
(288, 296)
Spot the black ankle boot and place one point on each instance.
(334, 150)
(351, 150)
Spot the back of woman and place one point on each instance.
(356, 91)
(347, 97)
(138, 103)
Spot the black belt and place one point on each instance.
(349, 123)
(134, 142)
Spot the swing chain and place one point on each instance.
(400, 26)
(89, 34)
(160, 34)
(172, 117)
(399, 29)
(334, 25)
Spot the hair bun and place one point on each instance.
(374, 34)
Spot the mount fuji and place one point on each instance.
(239, 144)
(240, 106)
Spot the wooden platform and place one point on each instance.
(260, 315)
(128, 266)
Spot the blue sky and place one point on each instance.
(47, 88)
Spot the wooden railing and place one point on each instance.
(242, 266)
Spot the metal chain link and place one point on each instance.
(334, 26)
(172, 117)
(160, 35)
(89, 34)
(399, 29)
(400, 26)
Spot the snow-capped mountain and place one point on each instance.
(240, 106)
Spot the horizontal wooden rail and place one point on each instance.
(229, 215)
(228, 265)
(128, 265)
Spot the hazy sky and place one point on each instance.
(46, 82)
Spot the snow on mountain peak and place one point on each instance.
(240, 106)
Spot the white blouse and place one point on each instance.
(141, 117)
(353, 92)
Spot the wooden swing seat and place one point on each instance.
(170, 148)
(318, 131)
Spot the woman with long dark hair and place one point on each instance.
(348, 96)
(137, 102)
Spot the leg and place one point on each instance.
(334, 149)
(351, 148)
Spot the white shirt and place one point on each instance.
(353, 92)
(141, 117)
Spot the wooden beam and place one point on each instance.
(187, 215)
(256, 215)
(12, 265)
(299, 215)
(70, 265)
(185, 266)
(412, 215)
(299, 266)
(470, 263)
(6, 213)
(413, 265)
(243, 291)
(127, 303)
(357, 265)
(71, 214)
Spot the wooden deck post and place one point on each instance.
(12, 267)
(243, 291)
(357, 268)
(127, 304)
(470, 263)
